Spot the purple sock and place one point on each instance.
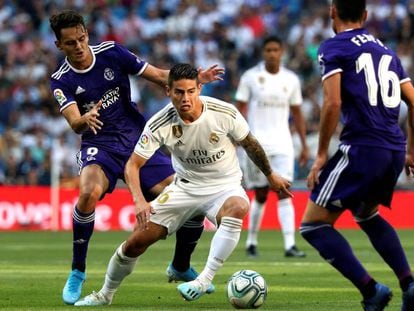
(386, 242)
(82, 231)
(333, 247)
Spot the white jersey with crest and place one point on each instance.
(203, 152)
(269, 97)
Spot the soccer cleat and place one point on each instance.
(176, 276)
(191, 290)
(94, 299)
(294, 252)
(380, 300)
(189, 275)
(73, 287)
(408, 298)
(251, 251)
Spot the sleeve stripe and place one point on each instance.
(67, 105)
(63, 69)
(103, 46)
(222, 109)
(330, 73)
(157, 123)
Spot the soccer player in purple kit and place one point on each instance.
(362, 79)
(92, 89)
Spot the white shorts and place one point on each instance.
(282, 164)
(174, 206)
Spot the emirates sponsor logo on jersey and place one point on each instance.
(110, 97)
(202, 157)
(177, 131)
(214, 139)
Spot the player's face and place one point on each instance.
(184, 95)
(74, 44)
(272, 53)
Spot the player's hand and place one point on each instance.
(211, 74)
(143, 213)
(279, 184)
(92, 118)
(409, 164)
(313, 176)
(304, 156)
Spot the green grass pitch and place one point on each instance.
(34, 267)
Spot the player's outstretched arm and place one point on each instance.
(256, 153)
(213, 73)
(143, 209)
(160, 76)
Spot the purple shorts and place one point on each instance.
(155, 170)
(358, 176)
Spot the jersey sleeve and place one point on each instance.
(131, 63)
(240, 127)
(243, 91)
(328, 59)
(62, 94)
(147, 144)
(296, 97)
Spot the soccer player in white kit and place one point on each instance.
(200, 133)
(266, 95)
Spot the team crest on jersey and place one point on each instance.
(214, 139)
(109, 74)
(261, 80)
(60, 97)
(177, 131)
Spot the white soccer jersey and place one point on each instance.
(203, 153)
(269, 97)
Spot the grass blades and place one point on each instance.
(34, 267)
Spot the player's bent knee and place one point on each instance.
(139, 241)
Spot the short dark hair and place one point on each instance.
(65, 19)
(350, 10)
(182, 71)
(272, 38)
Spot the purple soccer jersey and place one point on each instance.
(370, 88)
(106, 80)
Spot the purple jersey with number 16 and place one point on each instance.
(371, 75)
(107, 80)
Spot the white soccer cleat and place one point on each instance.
(94, 299)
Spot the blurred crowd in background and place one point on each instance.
(34, 135)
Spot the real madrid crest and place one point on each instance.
(177, 130)
(214, 139)
(108, 74)
(261, 80)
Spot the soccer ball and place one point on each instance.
(246, 289)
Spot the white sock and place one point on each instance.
(255, 220)
(222, 245)
(119, 267)
(286, 214)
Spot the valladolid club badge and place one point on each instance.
(214, 138)
(177, 131)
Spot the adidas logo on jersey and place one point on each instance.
(179, 143)
(79, 90)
